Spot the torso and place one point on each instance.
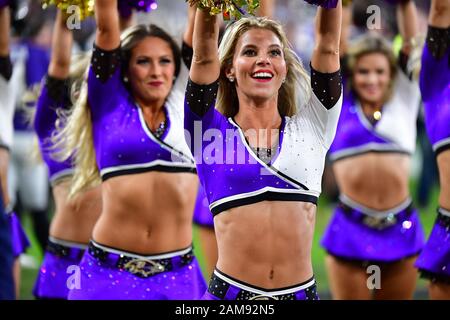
(275, 237)
(443, 161)
(4, 160)
(148, 212)
(75, 218)
(375, 180)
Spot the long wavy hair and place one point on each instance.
(294, 92)
(75, 137)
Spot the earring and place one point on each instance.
(284, 80)
(231, 79)
(125, 79)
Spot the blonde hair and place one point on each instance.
(73, 135)
(294, 92)
(368, 44)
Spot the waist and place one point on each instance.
(443, 218)
(345, 152)
(378, 219)
(158, 165)
(143, 266)
(222, 286)
(64, 248)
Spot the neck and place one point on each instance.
(258, 114)
(150, 106)
(372, 106)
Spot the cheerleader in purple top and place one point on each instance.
(7, 101)
(260, 154)
(129, 126)
(375, 222)
(74, 218)
(434, 261)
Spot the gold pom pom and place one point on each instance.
(229, 8)
(84, 8)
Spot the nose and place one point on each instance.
(263, 60)
(155, 69)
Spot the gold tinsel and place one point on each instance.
(229, 8)
(86, 7)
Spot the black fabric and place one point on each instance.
(402, 61)
(58, 90)
(105, 62)
(187, 53)
(327, 87)
(438, 40)
(201, 97)
(6, 68)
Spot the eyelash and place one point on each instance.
(253, 52)
(162, 61)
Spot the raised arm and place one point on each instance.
(266, 8)
(108, 25)
(325, 56)
(189, 31)
(4, 30)
(347, 18)
(186, 47)
(205, 67)
(61, 48)
(407, 23)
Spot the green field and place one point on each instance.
(427, 216)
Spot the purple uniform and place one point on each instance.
(59, 255)
(125, 145)
(234, 174)
(359, 233)
(202, 215)
(434, 261)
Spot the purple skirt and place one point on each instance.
(362, 235)
(111, 274)
(202, 215)
(434, 260)
(329, 4)
(224, 287)
(19, 238)
(61, 260)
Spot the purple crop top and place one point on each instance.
(394, 132)
(231, 172)
(54, 95)
(435, 87)
(123, 142)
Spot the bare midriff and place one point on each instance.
(267, 244)
(147, 213)
(376, 180)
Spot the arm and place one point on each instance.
(347, 17)
(186, 47)
(407, 24)
(205, 67)
(266, 8)
(108, 26)
(5, 62)
(325, 57)
(4, 31)
(61, 48)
